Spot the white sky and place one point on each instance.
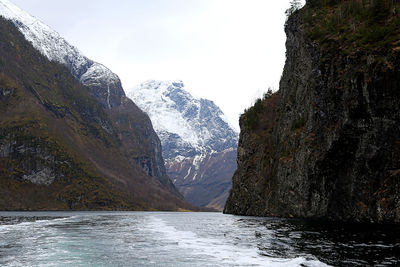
(228, 51)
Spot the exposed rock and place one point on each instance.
(37, 163)
(188, 126)
(41, 176)
(6, 92)
(204, 180)
(327, 145)
(197, 141)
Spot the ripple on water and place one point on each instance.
(188, 239)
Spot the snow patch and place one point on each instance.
(198, 123)
(188, 173)
(49, 43)
(108, 96)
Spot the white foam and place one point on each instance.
(221, 251)
(37, 223)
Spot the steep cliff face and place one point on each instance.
(61, 148)
(140, 142)
(327, 145)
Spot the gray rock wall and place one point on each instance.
(334, 148)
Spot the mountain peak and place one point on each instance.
(50, 44)
(198, 144)
(162, 86)
(187, 125)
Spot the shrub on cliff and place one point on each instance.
(345, 25)
(250, 115)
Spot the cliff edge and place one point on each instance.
(327, 144)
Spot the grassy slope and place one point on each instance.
(348, 27)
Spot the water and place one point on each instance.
(188, 239)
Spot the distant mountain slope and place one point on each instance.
(204, 180)
(64, 145)
(187, 126)
(195, 135)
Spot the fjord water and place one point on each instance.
(188, 239)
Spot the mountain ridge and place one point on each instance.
(104, 132)
(175, 113)
(56, 48)
(195, 135)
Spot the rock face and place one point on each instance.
(327, 144)
(204, 180)
(70, 138)
(187, 126)
(196, 139)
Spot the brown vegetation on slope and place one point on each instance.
(60, 149)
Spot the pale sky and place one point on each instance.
(228, 51)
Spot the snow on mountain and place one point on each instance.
(56, 48)
(105, 86)
(196, 138)
(199, 145)
(187, 126)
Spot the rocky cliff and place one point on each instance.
(197, 141)
(69, 136)
(204, 180)
(327, 144)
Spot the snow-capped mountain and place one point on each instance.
(126, 120)
(199, 145)
(55, 48)
(187, 126)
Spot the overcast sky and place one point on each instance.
(228, 51)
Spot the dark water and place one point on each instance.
(188, 239)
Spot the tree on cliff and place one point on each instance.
(294, 5)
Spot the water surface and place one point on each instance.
(188, 239)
